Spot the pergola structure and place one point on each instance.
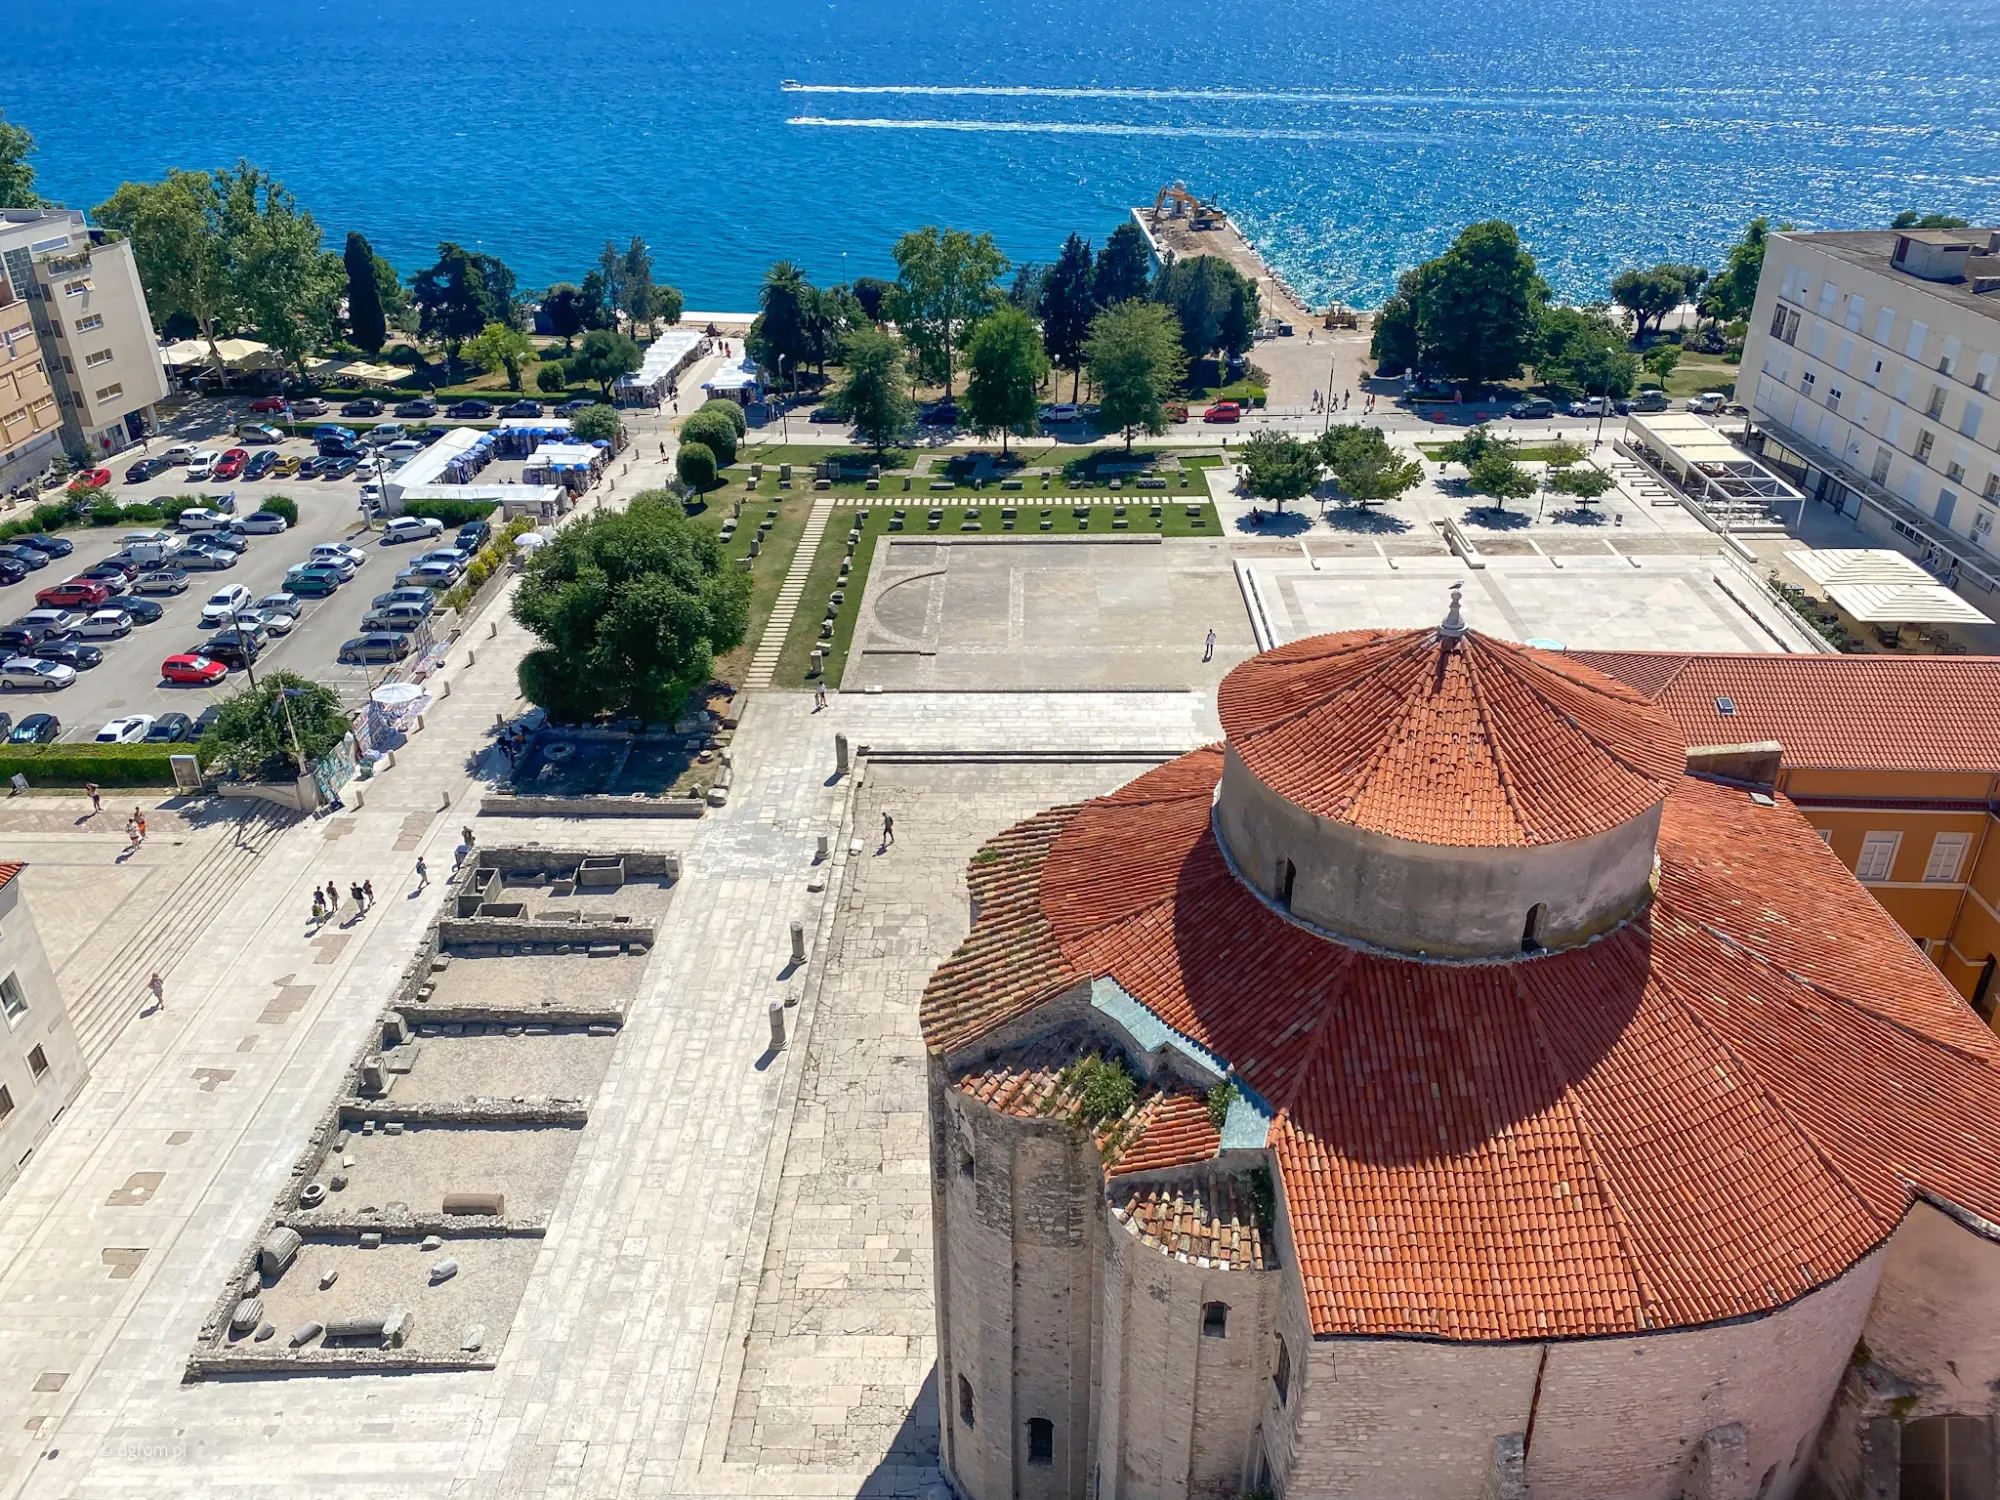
(1711, 470)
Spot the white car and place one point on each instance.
(126, 731)
(180, 453)
(429, 575)
(341, 549)
(201, 465)
(412, 529)
(1707, 402)
(340, 562)
(1062, 411)
(263, 523)
(56, 621)
(26, 674)
(105, 625)
(280, 604)
(224, 602)
(272, 622)
(199, 518)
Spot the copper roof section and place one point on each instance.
(1718, 1106)
(1442, 739)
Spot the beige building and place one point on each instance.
(1443, 1089)
(41, 1066)
(30, 425)
(94, 332)
(1872, 366)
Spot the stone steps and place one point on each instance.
(764, 664)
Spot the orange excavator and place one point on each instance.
(1185, 205)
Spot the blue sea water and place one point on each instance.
(1350, 139)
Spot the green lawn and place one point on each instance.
(767, 571)
(1702, 372)
(795, 661)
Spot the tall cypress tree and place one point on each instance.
(1067, 308)
(367, 327)
(1123, 267)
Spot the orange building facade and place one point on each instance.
(1896, 763)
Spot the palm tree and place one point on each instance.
(786, 299)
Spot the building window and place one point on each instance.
(1041, 1441)
(1982, 992)
(1955, 472)
(38, 1062)
(1833, 398)
(111, 390)
(101, 357)
(75, 288)
(1878, 856)
(965, 1163)
(1531, 930)
(1925, 442)
(1282, 1376)
(1983, 381)
(90, 324)
(1215, 1320)
(1880, 472)
(965, 1401)
(1947, 1458)
(1947, 855)
(1288, 875)
(1934, 408)
(6, 1103)
(1778, 321)
(1825, 836)
(1806, 382)
(13, 999)
(1993, 485)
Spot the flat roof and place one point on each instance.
(1873, 249)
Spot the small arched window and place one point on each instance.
(1288, 876)
(964, 1163)
(1282, 1376)
(1041, 1440)
(1215, 1320)
(965, 1401)
(1531, 930)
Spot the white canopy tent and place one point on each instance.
(1879, 586)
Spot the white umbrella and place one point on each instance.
(529, 541)
(397, 694)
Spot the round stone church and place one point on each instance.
(1437, 1091)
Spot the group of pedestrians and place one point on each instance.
(326, 903)
(1326, 403)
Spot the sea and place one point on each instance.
(1349, 138)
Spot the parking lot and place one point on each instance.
(128, 680)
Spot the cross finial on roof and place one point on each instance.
(1454, 623)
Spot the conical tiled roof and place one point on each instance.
(1449, 737)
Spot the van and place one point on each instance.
(199, 519)
(132, 539)
(154, 554)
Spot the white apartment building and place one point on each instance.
(1871, 368)
(92, 326)
(41, 1065)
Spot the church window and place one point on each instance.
(1041, 1440)
(1215, 1320)
(965, 1401)
(1282, 1376)
(1531, 930)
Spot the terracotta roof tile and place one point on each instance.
(1723, 1102)
(1210, 1220)
(9, 869)
(1919, 713)
(1467, 741)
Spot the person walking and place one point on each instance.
(140, 816)
(367, 893)
(96, 799)
(360, 906)
(465, 835)
(888, 830)
(423, 874)
(319, 906)
(1208, 650)
(159, 988)
(819, 696)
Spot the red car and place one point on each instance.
(189, 668)
(91, 479)
(76, 591)
(268, 403)
(1223, 411)
(232, 463)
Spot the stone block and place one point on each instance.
(280, 1248)
(248, 1314)
(494, 1204)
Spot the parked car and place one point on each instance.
(827, 414)
(142, 611)
(376, 646)
(1223, 411)
(1707, 403)
(74, 593)
(201, 518)
(943, 414)
(244, 634)
(106, 625)
(428, 575)
(371, 499)
(472, 410)
(1062, 411)
(423, 437)
(18, 639)
(1590, 406)
(225, 653)
(51, 621)
(354, 555)
(1652, 400)
(223, 603)
(161, 581)
(310, 468)
(1176, 411)
(382, 434)
(571, 407)
(312, 582)
(452, 555)
(205, 720)
(340, 468)
(310, 406)
(268, 403)
(472, 536)
(263, 523)
(31, 558)
(1534, 409)
(128, 730)
(270, 624)
(262, 436)
(111, 573)
(192, 668)
(68, 651)
(228, 539)
(207, 559)
(28, 674)
(423, 598)
(279, 603)
(523, 408)
(55, 546)
(36, 729)
(411, 529)
(367, 406)
(260, 464)
(201, 467)
(11, 571)
(401, 451)
(170, 729)
(180, 453)
(145, 469)
(91, 479)
(327, 431)
(395, 617)
(421, 407)
(286, 466)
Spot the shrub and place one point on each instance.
(405, 354)
(451, 512)
(106, 513)
(173, 505)
(149, 514)
(552, 378)
(730, 410)
(491, 559)
(714, 432)
(282, 505)
(73, 765)
(1106, 1090)
(1220, 1098)
(695, 464)
(595, 422)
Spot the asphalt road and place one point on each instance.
(128, 681)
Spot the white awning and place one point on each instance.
(1880, 586)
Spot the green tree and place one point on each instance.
(595, 295)
(1215, 306)
(944, 285)
(638, 301)
(603, 357)
(1005, 366)
(630, 608)
(1650, 295)
(1583, 352)
(551, 378)
(1561, 455)
(781, 336)
(730, 411)
(695, 464)
(176, 229)
(1475, 445)
(287, 284)
(1479, 316)
(870, 291)
(266, 728)
(17, 177)
(1396, 344)
(611, 276)
(1278, 467)
(713, 431)
(666, 306)
(1124, 266)
(455, 300)
(873, 393)
(281, 505)
(1662, 359)
(1026, 290)
(399, 309)
(504, 346)
(1368, 469)
(1910, 219)
(562, 305)
(367, 324)
(1497, 475)
(1586, 484)
(1135, 359)
(1733, 292)
(595, 423)
(1066, 308)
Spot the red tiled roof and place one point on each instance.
(9, 869)
(1915, 713)
(1211, 1219)
(1467, 741)
(1712, 1109)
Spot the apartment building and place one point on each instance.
(41, 1065)
(1870, 371)
(93, 335)
(30, 426)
